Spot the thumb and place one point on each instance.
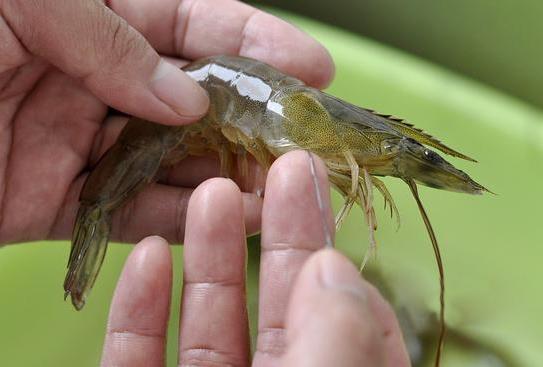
(88, 41)
(332, 321)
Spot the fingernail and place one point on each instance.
(176, 89)
(338, 273)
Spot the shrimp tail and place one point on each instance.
(89, 245)
(366, 187)
(442, 328)
(125, 169)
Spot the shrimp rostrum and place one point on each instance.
(258, 110)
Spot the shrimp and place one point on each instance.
(258, 110)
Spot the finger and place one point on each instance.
(106, 136)
(159, 209)
(214, 325)
(162, 210)
(88, 41)
(12, 53)
(191, 171)
(287, 241)
(331, 321)
(394, 343)
(138, 319)
(194, 170)
(213, 27)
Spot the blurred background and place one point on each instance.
(498, 42)
(469, 73)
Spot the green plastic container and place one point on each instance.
(492, 245)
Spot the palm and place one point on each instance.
(50, 124)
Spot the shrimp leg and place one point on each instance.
(355, 173)
(370, 216)
(352, 195)
(367, 192)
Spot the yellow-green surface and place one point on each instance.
(491, 244)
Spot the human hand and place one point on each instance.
(322, 315)
(62, 64)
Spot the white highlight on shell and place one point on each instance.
(246, 85)
(275, 107)
(199, 74)
(253, 88)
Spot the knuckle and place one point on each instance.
(129, 335)
(16, 14)
(209, 358)
(122, 43)
(271, 341)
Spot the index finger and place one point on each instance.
(198, 28)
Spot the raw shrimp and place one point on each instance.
(257, 110)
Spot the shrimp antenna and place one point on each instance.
(413, 186)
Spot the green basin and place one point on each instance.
(491, 244)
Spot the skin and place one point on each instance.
(315, 309)
(61, 66)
